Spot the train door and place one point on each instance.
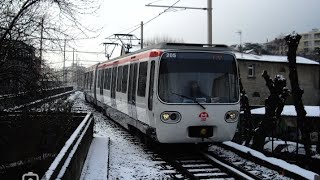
(108, 86)
(95, 83)
(132, 91)
(151, 93)
(141, 100)
(113, 86)
(101, 79)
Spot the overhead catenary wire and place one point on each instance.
(136, 27)
(89, 52)
(155, 16)
(83, 60)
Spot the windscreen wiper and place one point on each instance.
(193, 99)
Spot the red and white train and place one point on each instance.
(174, 93)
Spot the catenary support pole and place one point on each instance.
(141, 41)
(209, 10)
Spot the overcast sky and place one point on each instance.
(259, 21)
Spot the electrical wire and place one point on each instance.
(156, 16)
(137, 25)
(89, 52)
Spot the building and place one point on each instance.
(309, 42)
(251, 67)
(73, 75)
(286, 129)
(278, 46)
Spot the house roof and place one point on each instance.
(289, 110)
(272, 58)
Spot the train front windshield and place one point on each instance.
(190, 77)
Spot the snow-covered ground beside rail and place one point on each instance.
(127, 160)
(278, 162)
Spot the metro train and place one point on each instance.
(173, 93)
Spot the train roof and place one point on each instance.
(180, 46)
(189, 46)
(173, 46)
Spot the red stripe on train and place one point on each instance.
(132, 58)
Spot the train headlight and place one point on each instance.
(170, 117)
(165, 116)
(231, 116)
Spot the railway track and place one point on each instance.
(198, 165)
(249, 163)
(177, 163)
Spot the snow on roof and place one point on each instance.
(272, 58)
(289, 110)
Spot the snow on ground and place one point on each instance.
(283, 164)
(96, 164)
(127, 160)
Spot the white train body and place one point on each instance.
(174, 93)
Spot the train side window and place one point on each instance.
(132, 84)
(124, 79)
(91, 79)
(99, 75)
(119, 79)
(113, 82)
(143, 67)
(108, 79)
(150, 98)
(105, 78)
(85, 80)
(101, 78)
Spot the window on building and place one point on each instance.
(124, 79)
(305, 43)
(256, 94)
(143, 67)
(306, 36)
(317, 36)
(251, 70)
(282, 69)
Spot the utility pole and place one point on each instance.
(73, 69)
(64, 62)
(240, 47)
(209, 14)
(141, 41)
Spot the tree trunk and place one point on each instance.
(292, 42)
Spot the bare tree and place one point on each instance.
(27, 26)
